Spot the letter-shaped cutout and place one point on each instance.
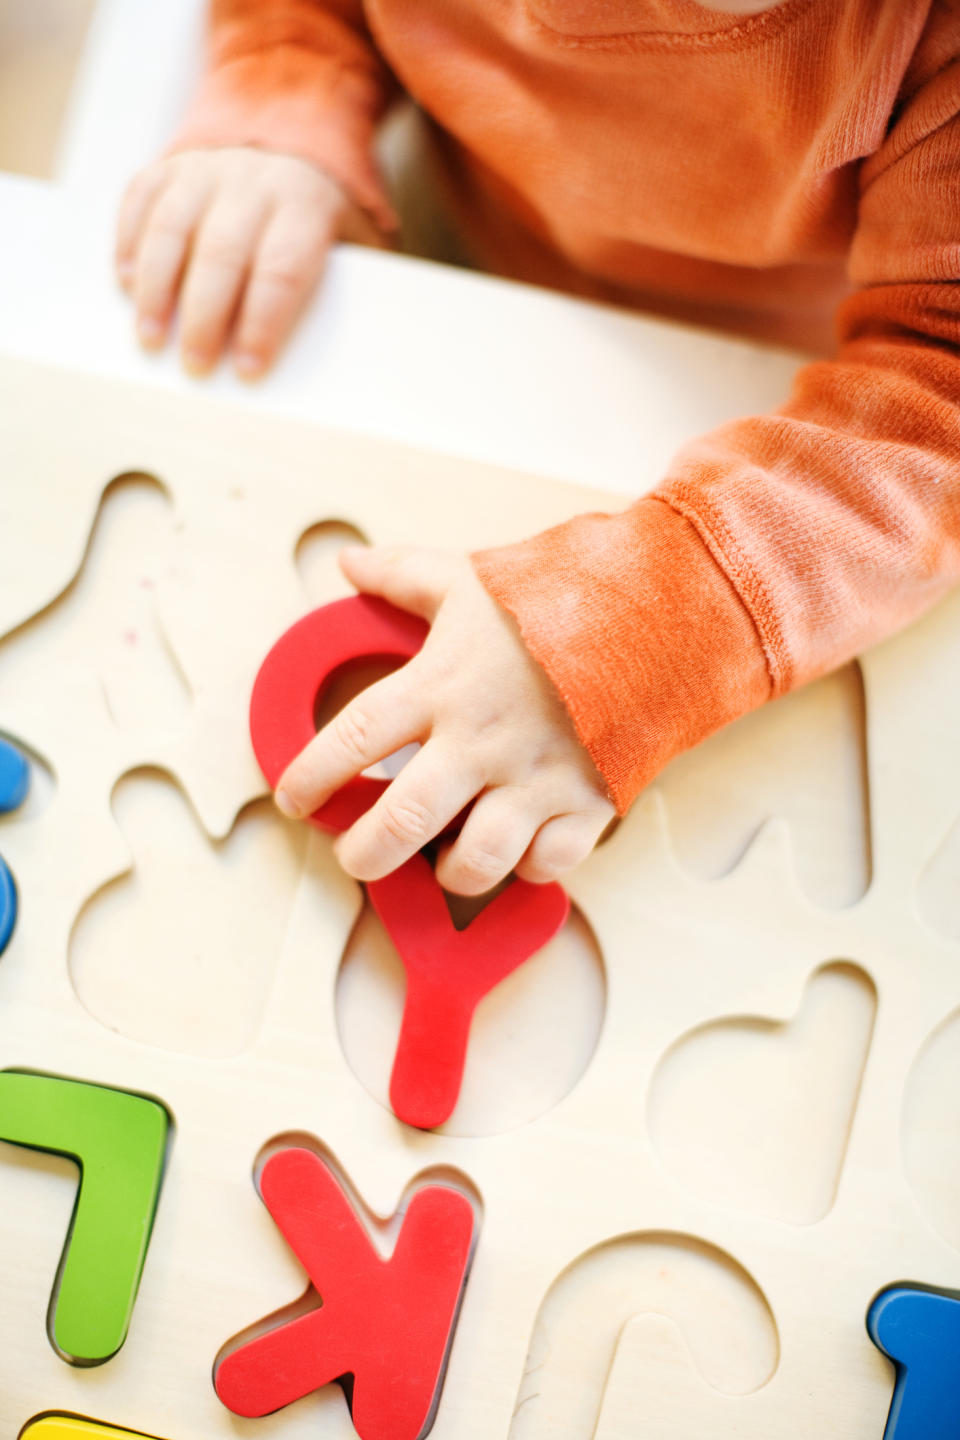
(918, 1328)
(14, 784)
(448, 971)
(119, 1141)
(387, 1323)
(71, 1427)
(669, 1299)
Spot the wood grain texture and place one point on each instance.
(615, 1292)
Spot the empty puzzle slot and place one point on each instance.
(930, 1129)
(364, 1273)
(803, 758)
(107, 619)
(755, 1114)
(939, 887)
(316, 559)
(699, 1328)
(532, 1037)
(180, 950)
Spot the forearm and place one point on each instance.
(777, 548)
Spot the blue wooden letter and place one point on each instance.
(919, 1329)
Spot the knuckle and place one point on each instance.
(408, 821)
(480, 867)
(167, 225)
(283, 272)
(222, 252)
(555, 854)
(351, 730)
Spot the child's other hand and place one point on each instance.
(492, 730)
(241, 235)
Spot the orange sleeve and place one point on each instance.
(780, 546)
(298, 76)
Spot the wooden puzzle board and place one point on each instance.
(706, 1124)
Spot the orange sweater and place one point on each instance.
(771, 174)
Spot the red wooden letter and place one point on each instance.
(387, 1323)
(296, 670)
(448, 971)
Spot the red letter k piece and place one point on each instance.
(387, 1323)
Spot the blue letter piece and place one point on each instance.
(919, 1329)
(14, 782)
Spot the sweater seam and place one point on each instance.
(752, 30)
(742, 576)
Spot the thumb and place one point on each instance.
(416, 580)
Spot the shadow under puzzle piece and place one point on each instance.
(71, 1427)
(918, 1328)
(119, 1140)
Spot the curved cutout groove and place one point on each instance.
(570, 1371)
(315, 556)
(106, 619)
(756, 1114)
(190, 978)
(930, 1129)
(803, 758)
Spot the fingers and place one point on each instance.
(427, 794)
(222, 255)
(162, 255)
(504, 833)
(134, 209)
(379, 721)
(416, 580)
(496, 835)
(286, 268)
(489, 725)
(562, 843)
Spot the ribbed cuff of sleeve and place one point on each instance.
(296, 103)
(640, 631)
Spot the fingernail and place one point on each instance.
(353, 552)
(247, 366)
(286, 806)
(151, 331)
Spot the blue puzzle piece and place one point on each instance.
(14, 777)
(8, 905)
(919, 1329)
(14, 783)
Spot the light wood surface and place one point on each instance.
(705, 1130)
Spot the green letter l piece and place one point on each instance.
(119, 1141)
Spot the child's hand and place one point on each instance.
(242, 235)
(490, 724)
